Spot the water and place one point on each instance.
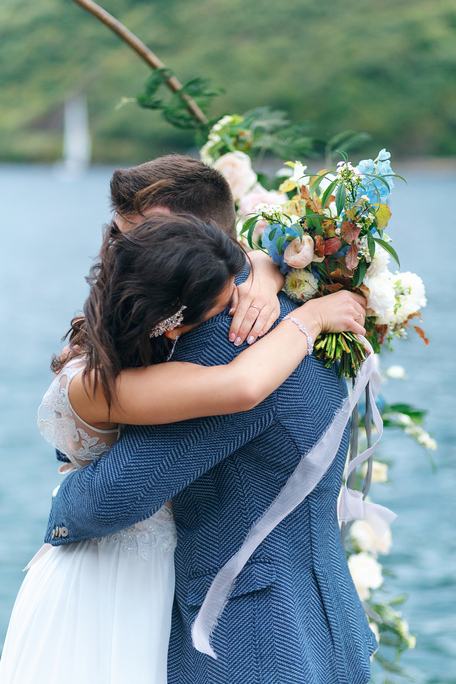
(50, 227)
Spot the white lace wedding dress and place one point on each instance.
(96, 611)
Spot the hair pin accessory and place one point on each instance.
(168, 323)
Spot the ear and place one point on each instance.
(180, 330)
(172, 334)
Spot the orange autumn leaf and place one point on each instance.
(319, 245)
(314, 203)
(351, 257)
(333, 287)
(332, 245)
(363, 289)
(349, 231)
(422, 334)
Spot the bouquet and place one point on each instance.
(327, 232)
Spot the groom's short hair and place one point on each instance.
(180, 183)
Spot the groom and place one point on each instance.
(293, 616)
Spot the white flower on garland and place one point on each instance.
(421, 436)
(366, 573)
(395, 372)
(379, 471)
(236, 167)
(410, 295)
(405, 634)
(300, 285)
(365, 539)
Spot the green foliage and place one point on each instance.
(383, 67)
(174, 107)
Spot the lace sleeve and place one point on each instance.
(64, 429)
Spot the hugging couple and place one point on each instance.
(178, 436)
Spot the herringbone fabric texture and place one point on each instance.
(294, 616)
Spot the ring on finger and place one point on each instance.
(360, 317)
(255, 306)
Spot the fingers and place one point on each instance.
(359, 299)
(355, 320)
(243, 322)
(356, 328)
(262, 324)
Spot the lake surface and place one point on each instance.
(50, 228)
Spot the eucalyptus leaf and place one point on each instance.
(359, 274)
(327, 193)
(250, 234)
(371, 244)
(386, 246)
(341, 196)
(298, 229)
(281, 240)
(248, 223)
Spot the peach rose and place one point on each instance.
(299, 254)
(237, 169)
(259, 195)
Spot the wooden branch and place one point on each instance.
(142, 50)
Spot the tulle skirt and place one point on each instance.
(95, 612)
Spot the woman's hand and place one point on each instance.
(255, 305)
(254, 309)
(341, 311)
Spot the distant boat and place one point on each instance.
(77, 145)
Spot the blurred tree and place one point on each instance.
(381, 66)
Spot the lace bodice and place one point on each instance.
(157, 532)
(61, 426)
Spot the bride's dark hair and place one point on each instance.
(141, 278)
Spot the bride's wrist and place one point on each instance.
(308, 315)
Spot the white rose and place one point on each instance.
(379, 262)
(366, 573)
(301, 285)
(396, 373)
(410, 294)
(379, 471)
(366, 540)
(382, 297)
(237, 169)
(259, 195)
(299, 253)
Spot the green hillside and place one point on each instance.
(383, 66)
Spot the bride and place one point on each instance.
(82, 606)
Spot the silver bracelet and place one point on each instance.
(303, 329)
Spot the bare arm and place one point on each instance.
(171, 392)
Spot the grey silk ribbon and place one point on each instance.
(303, 480)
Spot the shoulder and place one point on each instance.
(208, 344)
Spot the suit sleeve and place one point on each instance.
(149, 465)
